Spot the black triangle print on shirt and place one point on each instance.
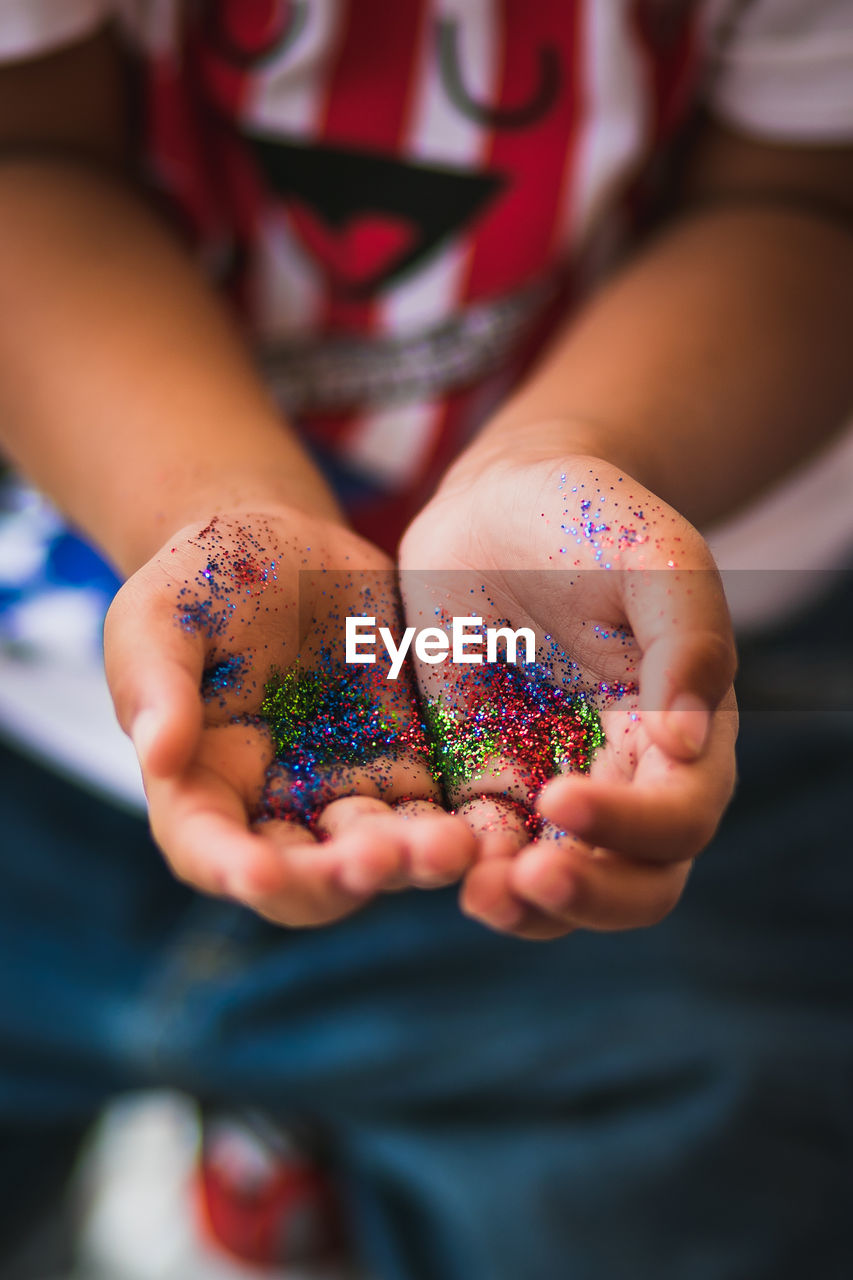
(365, 217)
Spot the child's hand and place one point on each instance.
(625, 602)
(274, 774)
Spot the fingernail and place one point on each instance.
(357, 880)
(573, 811)
(690, 720)
(143, 732)
(504, 915)
(238, 890)
(509, 917)
(246, 883)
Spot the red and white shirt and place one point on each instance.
(401, 196)
(404, 196)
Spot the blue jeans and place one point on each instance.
(673, 1103)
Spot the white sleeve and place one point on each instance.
(30, 28)
(783, 71)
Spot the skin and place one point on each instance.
(381, 824)
(130, 427)
(615, 848)
(704, 414)
(142, 463)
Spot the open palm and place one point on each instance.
(632, 633)
(274, 773)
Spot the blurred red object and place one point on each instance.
(264, 1199)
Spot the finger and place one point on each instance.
(241, 752)
(436, 847)
(440, 846)
(154, 670)
(317, 883)
(288, 793)
(200, 822)
(371, 853)
(668, 811)
(488, 897)
(387, 777)
(681, 621)
(593, 889)
(514, 780)
(278, 869)
(500, 825)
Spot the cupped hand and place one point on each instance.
(632, 641)
(275, 774)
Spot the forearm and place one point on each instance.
(706, 368)
(125, 390)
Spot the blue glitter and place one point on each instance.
(223, 677)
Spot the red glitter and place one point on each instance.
(247, 572)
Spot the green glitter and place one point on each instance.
(458, 754)
(319, 719)
(587, 734)
(514, 716)
(327, 719)
(290, 700)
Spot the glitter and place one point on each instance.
(240, 565)
(247, 571)
(222, 676)
(328, 723)
(330, 719)
(514, 713)
(201, 616)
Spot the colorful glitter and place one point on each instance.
(225, 676)
(242, 566)
(327, 720)
(324, 718)
(603, 541)
(331, 726)
(515, 714)
(203, 616)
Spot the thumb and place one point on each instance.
(154, 670)
(681, 621)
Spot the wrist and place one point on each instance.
(512, 441)
(190, 500)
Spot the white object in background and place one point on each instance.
(140, 1222)
(62, 714)
(781, 554)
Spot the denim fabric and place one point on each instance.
(672, 1104)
